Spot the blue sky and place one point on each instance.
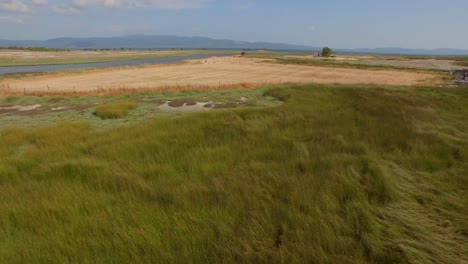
(335, 23)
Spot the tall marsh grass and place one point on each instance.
(337, 174)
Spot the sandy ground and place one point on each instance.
(209, 73)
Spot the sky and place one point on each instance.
(425, 24)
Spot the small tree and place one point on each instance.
(327, 52)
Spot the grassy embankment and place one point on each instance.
(458, 60)
(462, 62)
(337, 174)
(343, 64)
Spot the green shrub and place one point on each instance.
(327, 52)
(114, 110)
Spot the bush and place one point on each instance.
(114, 110)
(327, 52)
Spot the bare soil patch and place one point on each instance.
(36, 109)
(182, 102)
(206, 74)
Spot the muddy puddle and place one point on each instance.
(176, 105)
(193, 106)
(186, 106)
(18, 108)
(37, 109)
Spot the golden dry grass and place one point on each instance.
(214, 72)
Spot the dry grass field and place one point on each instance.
(209, 73)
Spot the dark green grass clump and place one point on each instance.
(114, 110)
(462, 63)
(337, 174)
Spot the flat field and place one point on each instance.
(335, 174)
(207, 162)
(209, 74)
(436, 63)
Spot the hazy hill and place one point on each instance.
(169, 42)
(150, 42)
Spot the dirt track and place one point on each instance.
(211, 73)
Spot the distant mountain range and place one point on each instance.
(149, 42)
(177, 42)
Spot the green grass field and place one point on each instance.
(335, 174)
(463, 63)
(459, 60)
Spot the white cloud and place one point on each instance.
(105, 3)
(20, 11)
(19, 19)
(15, 6)
(169, 4)
(65, 10)
(155, 4)
(40, 2)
